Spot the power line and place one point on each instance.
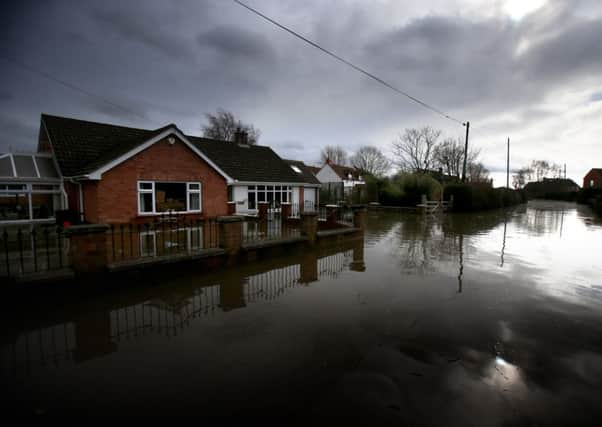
(71, 86)
(350, 64)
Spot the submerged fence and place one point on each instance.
(32, 249)
(165, 235)
(256, 231)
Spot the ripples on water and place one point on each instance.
(489, 318)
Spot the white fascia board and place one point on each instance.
(97, 174)
(292, 184)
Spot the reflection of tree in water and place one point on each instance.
(379, 224)
(422, 242)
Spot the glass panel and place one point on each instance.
(146, 202)
(6, 167)
(25, 167)
(145, 185)
(44, 187)
(277, 196)
(14, 206)
(261, 196)
(284, 197)
(44, 205)
(15, 186)
(194, 186)
(251, 187)
(277, 188)
(261, 187)
(194, 201)
(230, 194)
(46, 167)
(270, 188)
(251, 197)
(170, 196)
(270, 196)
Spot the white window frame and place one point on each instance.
(189, 191)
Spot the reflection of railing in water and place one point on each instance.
(332, 265)
(147, 317)
(272, 283)
(255, 231)
(41, 347)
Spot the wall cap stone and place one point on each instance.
(86, 229)
(230, 218)
(309, 213)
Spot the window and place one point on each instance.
(591, 182)
(295, 168)
(29, 201)
(230, 193)
(158, 197)
(268, 193)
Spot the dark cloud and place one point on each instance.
(18, 135)
(236, 42)
(173, 62)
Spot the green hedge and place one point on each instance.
(477, 197)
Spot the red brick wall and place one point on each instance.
(596, 176)
(114, 199)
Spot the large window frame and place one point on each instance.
(268, 193)
(193, 190)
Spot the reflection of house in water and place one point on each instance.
(89, 329)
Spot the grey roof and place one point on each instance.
(82, 146)
(306, 171)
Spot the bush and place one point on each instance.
(476, 197)
(411, 187)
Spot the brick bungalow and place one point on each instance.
(593, 179)
(116, 174)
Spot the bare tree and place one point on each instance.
(335, 153)
(370, 160)
(449, 156)
(223, 125)
(477, 172)
(414, 149)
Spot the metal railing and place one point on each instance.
(297, 208)
(32, 249)
(164, 235)
(256, 231)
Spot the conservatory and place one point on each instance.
(31, 189)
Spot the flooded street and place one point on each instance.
(492, 318)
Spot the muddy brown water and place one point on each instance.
(492, 318)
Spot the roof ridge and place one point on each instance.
(100, 123)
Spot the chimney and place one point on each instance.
(238, 136)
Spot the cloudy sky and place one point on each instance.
(530, 70)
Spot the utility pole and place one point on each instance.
(508, 166)
(565, 171)
(467, 124)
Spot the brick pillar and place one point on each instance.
(230, 234)
(232, 293)
(231, 208)
(88, 247)
(358, 263)
(309, 226)
(301, 199)
(309, 267)
(359, 217)
(285, 210)
(262, 210)
(331, 214)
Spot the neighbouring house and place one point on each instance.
(339, 179)
(593, 179)
(312, 194)
(115, 174)
(551, 187)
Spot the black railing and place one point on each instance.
(345, 215)
(297, 208)
(32, 249)
(255, 231)
(164, 235)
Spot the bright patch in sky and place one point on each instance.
(519, 8)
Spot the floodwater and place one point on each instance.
(492, 318)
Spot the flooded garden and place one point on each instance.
(492, 318)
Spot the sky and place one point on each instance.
(528, 70)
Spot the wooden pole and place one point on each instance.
(465, 152)
(508, 166)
